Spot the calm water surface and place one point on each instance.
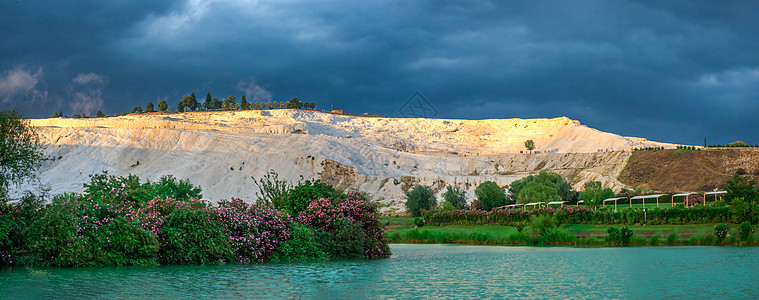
(425, 271)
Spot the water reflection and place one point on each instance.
(424, 271)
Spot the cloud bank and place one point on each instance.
(675, 71)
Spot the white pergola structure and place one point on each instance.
(715, 193)
(560, 203)
(615, 202)
(657, 196)
(535, 204)
(513, 205)
(580, 202)
(681, 195)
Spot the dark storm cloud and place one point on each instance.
(671, 71)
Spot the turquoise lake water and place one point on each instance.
(424, 271)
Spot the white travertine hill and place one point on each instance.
(220, 151)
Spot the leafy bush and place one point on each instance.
(128, 190)
(77, 231)
(624, 235)
(194, 236)
(743, 211)
(419, 222)
(299, 197)
(490, 195)
(345, 241)
(455, 197)
(720, 231)
(556, 236)
(745, 230)
(613, 235)
(302, 246)
(419, 198)
(270, 188)
(541, 224)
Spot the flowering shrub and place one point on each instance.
(624, 235)
(693, 200)
(299, 197)
(113, 224)
(745, 230)
(583, 215)
(154, 212)
(273, 228)
(339, 218)
(78, 231)
(720, 231)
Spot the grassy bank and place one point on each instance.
(403, 230)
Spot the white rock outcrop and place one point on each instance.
(221, 151)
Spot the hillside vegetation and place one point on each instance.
(679, 170)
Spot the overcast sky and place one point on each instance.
(673, 71)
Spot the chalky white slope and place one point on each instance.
(221, 151)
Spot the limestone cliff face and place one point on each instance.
(220, 151)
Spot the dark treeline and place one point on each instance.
(191, 103)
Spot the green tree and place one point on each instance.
(230, 103)
(490, 195)
(455, 196)
(294, 103)
(256, 105)
(593, 193)
(55, 115)
(208, 103)
(741, 188)
(737, 144)
(244, 105)
(137, 110)
(269, 105)
(99, 114)
(281, 104)
(20, 152)
(530, 145)
(537, 192)
(193, 102)
(216, 103)
(149, 107)
(187, 102)
(162, 106)
(549, 179)
(418, 198)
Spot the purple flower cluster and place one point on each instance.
(255, 231)
(325, 215)
(694, 200)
